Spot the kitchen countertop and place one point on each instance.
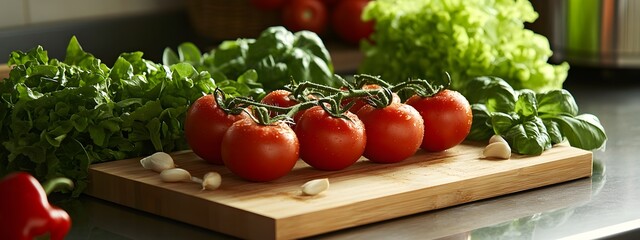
(601, 206)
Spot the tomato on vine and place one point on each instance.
(278, 98)
(394, 132)
(361, 102)
(447, 119)
(205, 125)
(330, 142)
(260, 153)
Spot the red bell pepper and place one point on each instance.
(25, 212)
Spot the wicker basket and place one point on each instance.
(229, 19)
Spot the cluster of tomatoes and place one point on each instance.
(320, 16)
(326, 136)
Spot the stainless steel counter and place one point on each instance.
(605, 204)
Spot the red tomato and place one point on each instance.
(394, 133)
(260, 153)
(447, 119)
(361, 102)
(204, 126)
(330, 143)
(305, 15)
(282, 98)
(268, 4)
(279, 98)
(347, 22)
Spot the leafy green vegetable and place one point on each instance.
(530, 122)
(57, 118)
(466, 38)
(277, 55)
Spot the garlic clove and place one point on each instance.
(499, 150)
(497, 138)
(211, 181)
(175, 175)
(315, 187)
(158, 162)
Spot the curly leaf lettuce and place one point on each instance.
(467, 38)
(58, 117)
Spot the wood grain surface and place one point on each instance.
(363, 193)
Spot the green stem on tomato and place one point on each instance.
(298, 90)
(334, 101)
(363, 79)
(333, 108)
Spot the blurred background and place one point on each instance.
(104, 28)
(597, 37)
(602, 33)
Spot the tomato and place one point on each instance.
(330, 143)
(305, 15)
(268, 4)
(359, 103)
(278, 98)
(260, 153)
(394, 133)
(282, 98)
(204, 127)
(447, 119)
(347, 22)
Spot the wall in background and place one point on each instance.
(104, 28)
(19, 13)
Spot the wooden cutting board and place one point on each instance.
(363, 193)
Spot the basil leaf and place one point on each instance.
(557, 102)
(274, 74)
(481, 125)
(529, 137)
(313, 45)
(583, 131)
(526, 105)
(503, 122)
(553, 129)
(273, 41)
(229, 58)
(494, 92)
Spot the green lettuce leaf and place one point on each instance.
(466, 38)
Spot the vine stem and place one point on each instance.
(56, 183)
(310, 94)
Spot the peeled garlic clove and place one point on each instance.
(158, 162)
(211, 181)
(497, 138)
(497, 150)
(175, 175)
(315, 187)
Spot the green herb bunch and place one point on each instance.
(277, 56)
(58, 117)
(530, 122)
